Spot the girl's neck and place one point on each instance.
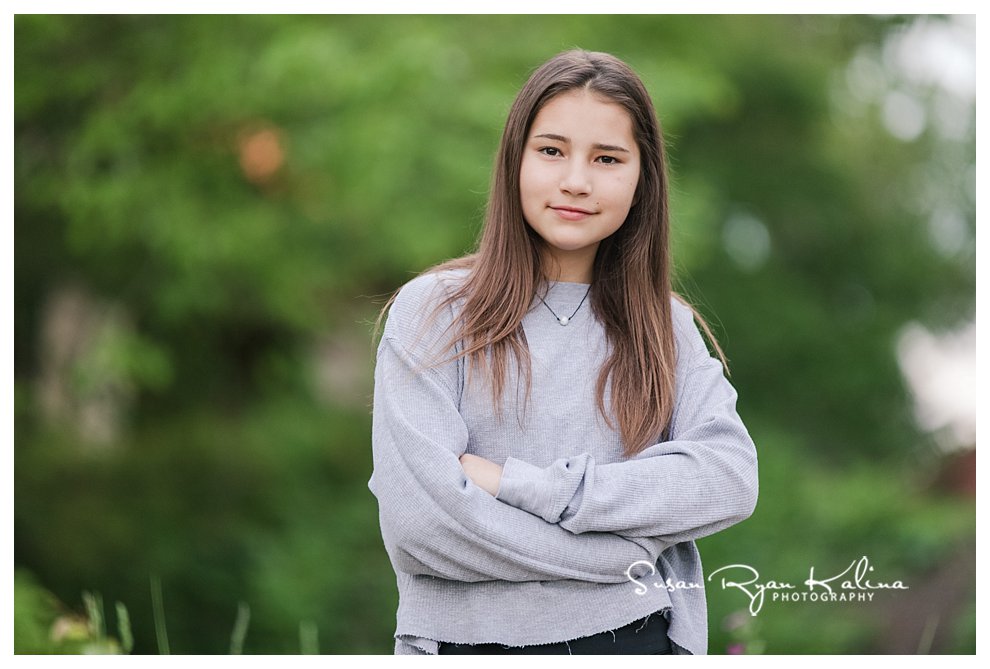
(571, 268)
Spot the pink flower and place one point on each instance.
(736, 649)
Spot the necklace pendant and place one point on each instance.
(564, 320)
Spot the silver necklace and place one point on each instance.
(564, 320)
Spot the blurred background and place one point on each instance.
(211, 210)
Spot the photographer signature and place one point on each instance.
(851, 579)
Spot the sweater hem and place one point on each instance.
(430, 646)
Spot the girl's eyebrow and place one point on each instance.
(564, 140)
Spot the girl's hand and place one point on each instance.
(485, 473)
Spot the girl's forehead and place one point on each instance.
(582, 113)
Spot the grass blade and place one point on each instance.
(161, 634)
(124, 629)
(308, 641)
(240, 629)
(94, 611)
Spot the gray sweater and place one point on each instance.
(579, 539)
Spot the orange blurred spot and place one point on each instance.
(261, 155)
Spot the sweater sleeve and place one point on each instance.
(701, 481)
(434, 520)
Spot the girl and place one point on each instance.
(571, 528)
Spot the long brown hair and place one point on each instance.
(631, 286)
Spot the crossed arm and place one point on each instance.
(700, 482)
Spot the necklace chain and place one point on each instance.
(564, 320)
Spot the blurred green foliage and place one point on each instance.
(243, 189)
(43, 625)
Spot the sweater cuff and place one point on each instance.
(542, 492)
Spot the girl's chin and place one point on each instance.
(565, 246)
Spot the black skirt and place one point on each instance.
(646, 636)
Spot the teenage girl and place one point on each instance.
(561, 518)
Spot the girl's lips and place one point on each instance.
(571, 214)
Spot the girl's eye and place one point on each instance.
(609, 160)
(550, 150)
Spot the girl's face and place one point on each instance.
(578, 176)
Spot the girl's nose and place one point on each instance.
(576, 181)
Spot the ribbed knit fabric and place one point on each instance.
(553, 555)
